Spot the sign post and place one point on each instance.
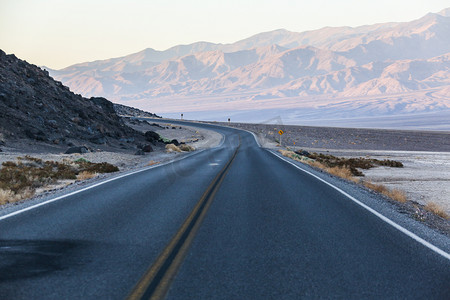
(281, 134)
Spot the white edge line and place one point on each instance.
(254, 136)
(385, 219)
(94, 185)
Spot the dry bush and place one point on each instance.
(376, 187)
(316, 164)
(293, 155)
(187, 148)
(353, 164)
(29, 173)
(398, 196)
(86, 175)
(395, 194)
(437, 210)
(6, 196)
(342, 172)
(172, 148)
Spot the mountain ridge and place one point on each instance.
(379, 59)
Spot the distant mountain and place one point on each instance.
(380, 59)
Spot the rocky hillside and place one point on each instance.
(36, 109)
(126, 111)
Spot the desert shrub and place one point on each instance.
(395, 194)
(185, 147)
(6, 196)
(353, 164)
(389, 163)
(86, 175)
(19, 180)
(437, 210)
(81, 160)
(102, 167)
(172, 148)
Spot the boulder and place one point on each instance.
(77, 149)
(52, 123)
(175, 142)
(152, 136)
(147, 148)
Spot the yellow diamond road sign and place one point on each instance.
(281, 132)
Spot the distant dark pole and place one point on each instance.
(229, 121)
(181, 116)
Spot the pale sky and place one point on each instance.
(59, 33)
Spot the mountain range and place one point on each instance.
(283, 69)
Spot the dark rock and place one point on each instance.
(147, 148)
(175, 142)
(127, 140)
(52, 123)
(98, 139)
(1, 150)
(139, 152)
(152, 136)
(302, 152)
(35, 134)
(77, 149)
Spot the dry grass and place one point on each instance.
(8, 196)
(342, 172)
(20, 180)
(86, 175)
(172, 148)
(437, 210)
(398, 196)
(376, 187)
(394, 194)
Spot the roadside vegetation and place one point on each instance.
(179, 148)
(348, 168)
(20, 180)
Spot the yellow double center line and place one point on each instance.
(156, 281)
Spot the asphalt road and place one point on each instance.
(264, 230)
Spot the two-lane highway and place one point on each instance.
(233, 222)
